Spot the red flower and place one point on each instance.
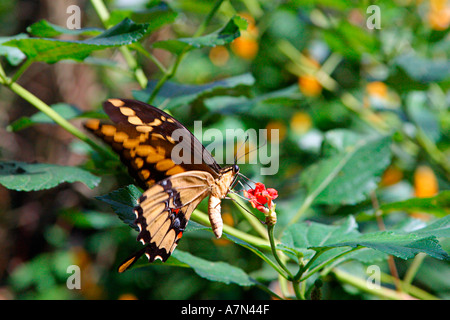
(260, 196)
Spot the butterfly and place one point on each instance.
(174, 168)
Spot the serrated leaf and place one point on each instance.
(302, 238)
(123, 202)
(23, 176)
(404, 246)
(54, 50)
(13, 55)
(43, 28)
(174, 94)
(65, 110)
(348, 177)
(438, 205)
(214, 271)
(438, 228)
(156, 16)
(220, 37)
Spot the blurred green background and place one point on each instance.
(316, 67)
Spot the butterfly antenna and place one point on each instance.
(265, 142)
(237, 152)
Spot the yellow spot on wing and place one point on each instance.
(144, 174)
(144, 128)
(164, 165)
(155, 122)
(130, 143)
(120, 137)
(154, 157)
(108, 130)
(144, 150)
(92, 124)
(116, 102)
(127, 111)
(175, 170)
(138, 163)
(135, 120)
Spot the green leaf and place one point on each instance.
(348, 177)
(23, 176)
(13, 55)
(424, 70)
(90, 219)
(438, 228)
(214, 271)
(438, 205)
(299, 239)
(404, 246)
(156, 16)
(220, 37)
(53, 50)
(123, 202)
(67, 111)
(420, 113)
(43, 28)
(174, 95)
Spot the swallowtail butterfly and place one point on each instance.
(175, 182)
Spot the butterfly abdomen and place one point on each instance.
(215, 217)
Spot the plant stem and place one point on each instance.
(270, 229)
(412, 270)
(306, 267)
(52, 114)
(361, 284)
(104, 16)
(173, 70)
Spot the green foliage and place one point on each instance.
(54, 50)
(23, 176)
(351, 104)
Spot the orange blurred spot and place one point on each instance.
(391, 176)
(377, 88)
(301, 122)
(439, 15)
(245, 48)
(276, 125)
(309, 85)
(425, 186)
(127, 296)
(219, 56)
(425, 182)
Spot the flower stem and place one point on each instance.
(270, 229)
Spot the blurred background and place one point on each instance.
(313, 63)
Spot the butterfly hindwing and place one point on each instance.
(164, 211)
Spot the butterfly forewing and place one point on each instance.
(144, 138)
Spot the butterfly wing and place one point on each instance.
(164, 211)
(151, 143)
